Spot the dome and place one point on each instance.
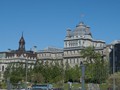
(82, 30)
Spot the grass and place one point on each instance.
(103, 86)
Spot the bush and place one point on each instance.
(115, 76)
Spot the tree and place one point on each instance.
(37, 78)
(72, 74)
(89, 54)
(56, 73)
(96, 67)
(15, 72)
(52, 72)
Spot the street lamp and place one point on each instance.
(26, 73)
(83, 75)
(8, 83)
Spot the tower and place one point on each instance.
(21, 44)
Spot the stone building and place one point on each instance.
(78, 39)
(17, 56)
(50, 54)
(74, 42)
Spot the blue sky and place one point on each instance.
(44, 22)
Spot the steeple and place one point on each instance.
(21, 43)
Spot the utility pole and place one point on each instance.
(83, 75)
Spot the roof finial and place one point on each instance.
(22, 33)
(82, 15)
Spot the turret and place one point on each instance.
(87, 30)
(21, 44)
(68, 33)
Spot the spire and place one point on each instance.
(22, 43)
(22, 34)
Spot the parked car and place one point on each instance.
(42, 87)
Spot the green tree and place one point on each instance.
(89, 54)
(73, 74)
(56, 72)
(16, 72)
(95, 65)
(37, 78)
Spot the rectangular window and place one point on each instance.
(77, 60)
(2, 68)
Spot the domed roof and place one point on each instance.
(82, 30)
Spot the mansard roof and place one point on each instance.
(12, 53)
(82, 30)
(52, 49)
(21, 50)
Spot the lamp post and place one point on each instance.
(26, 73)
(8, 83)
(83, 75)
(113, 67)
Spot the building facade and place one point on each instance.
(17, 56)
(77, 40)
(50, 54)
(114, 56)
(74, 42)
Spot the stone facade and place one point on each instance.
(17, 56)
(77, 40)
(50, 54)
(74, 42)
